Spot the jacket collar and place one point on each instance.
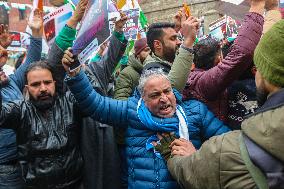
(273, 101)
(162, 61)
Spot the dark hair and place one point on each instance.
(38, 65)
(155, 32)
(205, 52)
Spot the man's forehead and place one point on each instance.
(169, 32)
(157, 83)
(39, 74)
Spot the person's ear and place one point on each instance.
(157, 45)
(26, 92)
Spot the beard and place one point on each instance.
(43, 104)
(261, 96)
(169, 53)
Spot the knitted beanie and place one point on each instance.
(140, 45)
(269, 55)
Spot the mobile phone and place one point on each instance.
(76, 63)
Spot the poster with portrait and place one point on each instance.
(55, 21)
(223, 28)
(218, 28)
(94, 29)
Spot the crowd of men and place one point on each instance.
(183, 114)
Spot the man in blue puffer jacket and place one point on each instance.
(158, 109)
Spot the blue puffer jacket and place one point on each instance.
(13, 91)
(145, 170)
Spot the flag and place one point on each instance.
(121, 3)
(142, 19)
(38, 4)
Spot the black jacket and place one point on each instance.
(48, 143)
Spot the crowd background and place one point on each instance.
(173, 108)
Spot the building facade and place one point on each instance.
(164, 10)
(16, 17)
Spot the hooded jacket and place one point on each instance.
(219, 164)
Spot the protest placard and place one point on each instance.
(55, 21)
(218, 28)
(94, 30)
(223, 28)
(20, 41)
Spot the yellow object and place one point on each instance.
(120, 3)
(187, 10)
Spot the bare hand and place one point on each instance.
(78, 14)
(118, 25)
(5, 36)
(36, 23)
(257, 6)
(80, 10)
(178, 18)
(271, 4)
(67, 59)
(3, 56)
(103, 46)
(182, 147)
(189, 30)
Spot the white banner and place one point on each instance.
(236, 2)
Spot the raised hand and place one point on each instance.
(5, 36)
(118, 25)
(271, 5)
(3, 56)
(102, 48)
(68, 61)
(78, 14)
(189, 29)
(178, 18)
(36, 23)
(257, 6)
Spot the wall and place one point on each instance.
(15, 24)
(164, 10)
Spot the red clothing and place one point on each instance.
(209, 86)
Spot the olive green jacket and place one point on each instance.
(218, 163)
(128, 79)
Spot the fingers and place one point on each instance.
(154, 143)
(68, 57)
(160, 137)
(182, 147)
(176, 142)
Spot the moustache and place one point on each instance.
(44, 94)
